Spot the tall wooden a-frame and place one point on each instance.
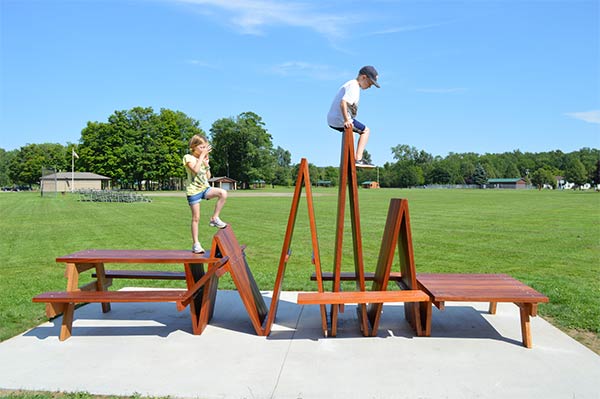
(348, 179)
(302, 180)
(397, 233)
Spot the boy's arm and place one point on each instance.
(344, 108)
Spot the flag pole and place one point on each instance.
(72, 169)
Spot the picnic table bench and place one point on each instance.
(455, 287)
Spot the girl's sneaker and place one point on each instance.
(197, 248)
(216, 222)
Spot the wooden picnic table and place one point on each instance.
(225, 255)
(199, 294)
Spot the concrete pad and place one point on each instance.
(149, 349)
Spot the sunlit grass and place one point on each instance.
(549, 240)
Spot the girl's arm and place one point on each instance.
(194, 166)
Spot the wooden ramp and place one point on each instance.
(224, 244)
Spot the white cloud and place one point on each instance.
(589, 116)
(305, 69)
(252, 16)
(203, 64)
(443, 90)
(399, 29)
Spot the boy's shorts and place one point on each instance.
(357, 127)
(196, 198)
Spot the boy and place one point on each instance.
(345, 106)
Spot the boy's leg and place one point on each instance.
(363, 138)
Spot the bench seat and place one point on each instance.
(110, 296)
(143, 274)
(339, 298)
(492, 288)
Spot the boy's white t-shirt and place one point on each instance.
(349, 92)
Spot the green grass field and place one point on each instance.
(550, 240)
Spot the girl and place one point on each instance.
(198, 172)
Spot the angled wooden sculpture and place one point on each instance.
(348, 179)
(303, 179)
(226, 244)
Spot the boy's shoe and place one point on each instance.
(216, 222)
(197, 248)
(361, 163)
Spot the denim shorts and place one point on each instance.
(357, 127)
(196, 198)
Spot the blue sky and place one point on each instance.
(456, 76)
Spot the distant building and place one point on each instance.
(369, 184)
(226, 183)
(512, 183)
(258, 184)
(66, 182)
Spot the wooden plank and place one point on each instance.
(109, 296)
(337, 298)
(225, 243)
(478, 288)
(351, 276)
(136, 256)
(144, 274)
(195, 288)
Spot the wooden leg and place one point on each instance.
(209, 296)
(492, 308)
(72, 275)
(54, 309)
(525, 309)
(412, 313)
(193, 273)
(101, 284)
(425, 314)
(67, 323)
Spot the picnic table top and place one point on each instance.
(137, 256)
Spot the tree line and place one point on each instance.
(142, 149)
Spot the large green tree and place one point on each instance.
(543, 176)
(138, 146)
(26, 166)
(243, 149)
(575, 171)
(283, 168)
(6, 158)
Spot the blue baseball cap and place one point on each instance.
(371, 73)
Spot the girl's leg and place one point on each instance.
(362, 143)
(195, 219)
(222, 197)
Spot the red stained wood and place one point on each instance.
(109, 296)
(144, 274)
(315, 298)
(478, 288)
(136, 256)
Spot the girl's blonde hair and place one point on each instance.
(197, 140)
